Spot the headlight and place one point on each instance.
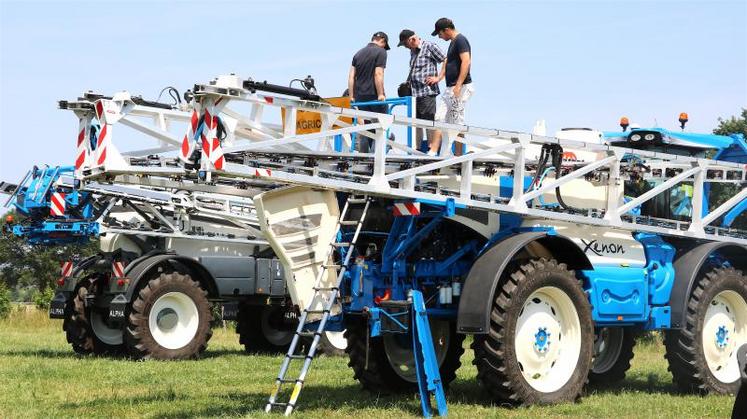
(635, 137)
(649, 137)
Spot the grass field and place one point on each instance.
(40, 376)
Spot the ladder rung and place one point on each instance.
(278, 404)
(332, 266)
(340, 244)
(288, 380)
(349, 222)
(357, 200)
(297, 356)
(317, 311)
(326, 288)
(307, 334)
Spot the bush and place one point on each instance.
(43, 299)
(5, 306)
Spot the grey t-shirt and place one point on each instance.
(458, 45)
(365, 62)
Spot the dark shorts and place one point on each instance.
(425, 107)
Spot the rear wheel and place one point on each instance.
(86, 329)
(539, 347)
(703, 355)
(613, 350)
(389, 365)
(169, 319)
(264, 329)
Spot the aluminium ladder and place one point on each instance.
(326, 296)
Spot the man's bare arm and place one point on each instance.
(351, 82)
(379, 81)
(441, 74)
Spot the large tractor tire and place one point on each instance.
(169, 319)
(86, 329)
(261, 329)
(613, 350)
(386, 364)
(540, 343)
(703, 354)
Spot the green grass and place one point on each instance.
(41, 377)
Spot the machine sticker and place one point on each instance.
(600, 248)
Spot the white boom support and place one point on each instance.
(280, 156)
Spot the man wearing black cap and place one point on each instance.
(366, 79)
(457, 72)
(424, 77)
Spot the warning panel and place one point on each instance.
(311, 122)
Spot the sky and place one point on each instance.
(579, 64)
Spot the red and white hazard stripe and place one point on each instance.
(66, 269)
(104, 135)
(118, 269)
(188, 143)
(82, 153)
(402, 209)
(262, 172)
(211, 148)
(57, 205)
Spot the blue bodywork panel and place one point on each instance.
(617, 294)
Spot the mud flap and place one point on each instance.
(300, 223)
(57, 305)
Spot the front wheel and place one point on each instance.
(539, 347)
(169, 319)
(703, 355)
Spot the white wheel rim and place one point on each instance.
(607, 348)
(724, 330)
(337, 339)
(548, 339)
(399, 353)
(173, 320)
(105, 333)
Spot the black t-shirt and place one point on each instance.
(365, 62)
(458, 45)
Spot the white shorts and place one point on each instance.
(450, 109)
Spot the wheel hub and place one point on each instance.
(722, 337)
(542, 340)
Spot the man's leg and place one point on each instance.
(442, 108)
(426, 109)
(456, 116)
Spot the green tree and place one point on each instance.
(733, 125)
(720, 192)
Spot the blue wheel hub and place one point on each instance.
(722, 337)
(542, 340)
